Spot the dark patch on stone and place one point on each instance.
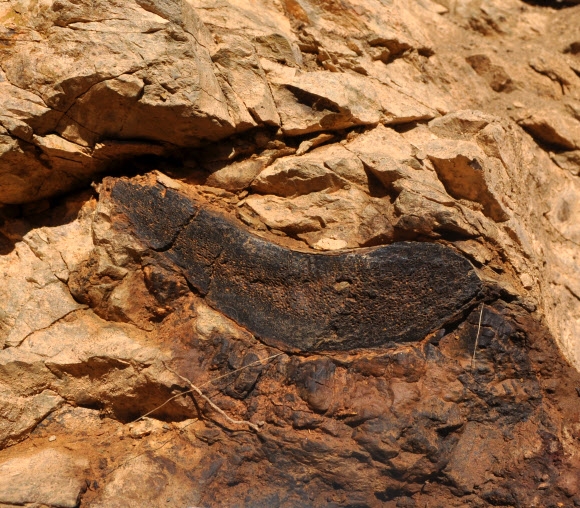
(160, 213)
(555, 4)
(6, 246)
(299, 301)
(377, 428)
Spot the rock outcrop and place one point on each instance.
(330, 256)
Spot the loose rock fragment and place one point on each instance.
(294, 177)
(47, 478)
(553, 128)
(462, 167)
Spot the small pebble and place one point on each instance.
(52, 438)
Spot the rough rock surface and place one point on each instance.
(335, 260)
(48, 477)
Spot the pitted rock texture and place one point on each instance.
(295, 300)
(410, 426)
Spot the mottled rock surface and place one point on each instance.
(329, 256)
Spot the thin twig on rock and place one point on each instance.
(204, 384)
(197, 390)
(477, 338)
(213, 405)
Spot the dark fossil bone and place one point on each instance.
(302, 301)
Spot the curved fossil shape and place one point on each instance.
(301, 301)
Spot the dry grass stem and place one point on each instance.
(257, 362)
(477, 338)
(213, 405)
(197, 390)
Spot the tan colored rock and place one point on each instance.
(494, 74)
(34, 180)
(557, 69)
(569, 161)
(425, 211)
(21, 413)
(34, 275)
(383, 141)
(466, 173)
(393, 38)
(387, 169)
(48, 478)
(392, 158)
(55, 146)
(290, 176)
(407, 76)
(344, 163)
(463, 124)
(267, 26)
(210, 323)
(565, 210)
(553, 128)
(313, 143)
(346, 218)
(71, 355)
(238, 175)
(33, 297)
(53, 348)
(147, 65)
(164, 478)
(314, 101)
(44, 307)
(239, 64)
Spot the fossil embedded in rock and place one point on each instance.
(289, 298)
